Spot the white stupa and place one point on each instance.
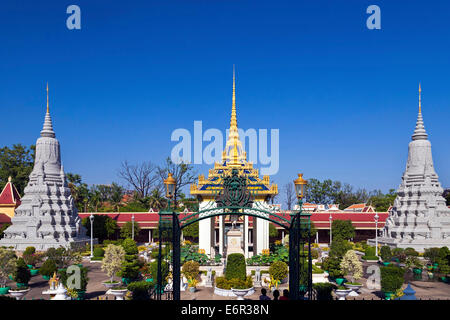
(419, 218)
(47, 216)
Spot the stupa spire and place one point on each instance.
(419, 131)
(47, 130)
(234, 153)
(47, 100)
(233, 121)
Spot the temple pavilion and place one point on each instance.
(233, 157)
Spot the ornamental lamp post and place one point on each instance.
(91, 218)
(170, 187)
(376, 233)
(299, 186)
(170, 184)
(132, 226)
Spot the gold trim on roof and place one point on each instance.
(233, 157)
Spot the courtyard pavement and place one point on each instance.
(95, 290)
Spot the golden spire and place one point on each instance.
(233, 121)
(47, 99)
(233, 150)
(420, 105)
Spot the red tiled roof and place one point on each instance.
(149, 220)
(10, 195)
(356, 206)
(4, 218)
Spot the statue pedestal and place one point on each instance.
(234, 242)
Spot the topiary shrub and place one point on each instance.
(130, 247)
(223, 283)
(99, 253)
(392, 278)
(333, 266)
(323, 290)
(140, 290)
(411, 252)
(236, 268)
(191, 269)
(63, 276)
(278, 270)
(48, 268)
(29, 250)
(22, 273)
(129, 269)
(385, 253)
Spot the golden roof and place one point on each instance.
(233, 157)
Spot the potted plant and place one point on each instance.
(191, 270)
(351, 266)
(119, 292)
(392, 278)
(77, 293)
(19, 293)
(279, 271)
(192, 284)
(7, 267)
(386, 255)
(342, 292)
(112, 263)
(140, 290)
(332, 265)
(47, 269)
(241, 288)
(22, 274)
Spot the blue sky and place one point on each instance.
(343, 97)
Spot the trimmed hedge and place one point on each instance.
(236, 268)
(140, 290)
(99, 252)
(223, 283)
(48, 268)
(324, 290)
(392, 278)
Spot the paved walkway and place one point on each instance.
(424, 289)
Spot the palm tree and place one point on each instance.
(116, 195)
(156, 200)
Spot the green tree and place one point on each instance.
(342, 230)
(191, 231)
(79, 190)
(104, 227)
(273, 232)
(7, 264)
(350, 265)
(17, 163)
(157, 201)
(113, 259)
(126, 230)
(117, 193)
(382, 202)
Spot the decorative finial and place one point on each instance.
(233, 122)
(9, 179)
(47, 99)
(420, 106)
